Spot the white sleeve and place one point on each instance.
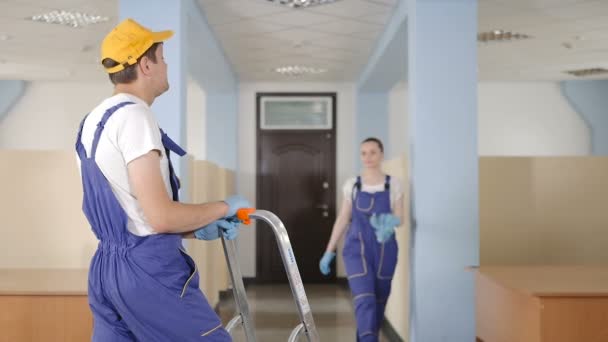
(396, 190)
(347, 189)
(138, 133)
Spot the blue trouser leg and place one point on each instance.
(383, 289)
(150, 301)
(107, 324)
(362, 282)
(365, 313)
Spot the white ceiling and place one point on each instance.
(258, 36)
(34, 50)
(580, 24)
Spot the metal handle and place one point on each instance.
(295, 333)
(236, 320)
(293, 274)
(322, 206)
(238, 289)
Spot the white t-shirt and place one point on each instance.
(131, 132)
(396, 189)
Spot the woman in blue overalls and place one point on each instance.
(371, 210)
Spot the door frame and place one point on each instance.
(258, 159)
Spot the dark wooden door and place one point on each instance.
(296, 181)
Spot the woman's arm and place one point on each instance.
(340, 225)
(398, 209)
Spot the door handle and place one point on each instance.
(322, 206)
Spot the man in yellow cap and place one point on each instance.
(142, 284)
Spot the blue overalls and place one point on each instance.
(369, 265)
(140, 288)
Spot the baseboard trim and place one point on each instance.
(343, 283)
(249, 281)
(225, 295)
(390, 332)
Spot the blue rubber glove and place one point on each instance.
(229, 227)
(235, 203)
(208, 232)
(384, 226)
(325, 263)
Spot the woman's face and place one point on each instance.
(371, 156)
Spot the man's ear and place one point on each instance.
(144, 65)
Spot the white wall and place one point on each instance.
(531, 118)
(48, 114)
(398, 135)
(515, 119)
(196, 120)
(247, 147)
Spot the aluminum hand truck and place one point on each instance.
(243, 317)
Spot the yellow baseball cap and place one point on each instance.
(127, 42)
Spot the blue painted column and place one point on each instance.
(442, 68)
(590, 100)
(10, 92)
(221, 128)
(371, 119)
(170, 108)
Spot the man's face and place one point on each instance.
(159, 72)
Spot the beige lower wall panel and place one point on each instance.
(210, 183)
(506, 212)
(397, 310)
(44, 227)
(41, 208)
(571, 208)
(543, 210)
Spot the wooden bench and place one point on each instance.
(44, 305)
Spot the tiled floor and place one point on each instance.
(274, 313)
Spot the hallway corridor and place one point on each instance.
(275, 315)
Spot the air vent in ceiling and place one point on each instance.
(587, 72)
(500, 36)
(302, 3)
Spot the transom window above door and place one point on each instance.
(296, 112)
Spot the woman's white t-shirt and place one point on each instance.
(131, 132)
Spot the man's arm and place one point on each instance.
(162, 213)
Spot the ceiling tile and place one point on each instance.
(245, 8)
(249, 27)
(256, 36)
(346, 26)
(295, 18)
(351, 8)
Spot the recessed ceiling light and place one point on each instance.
(298, 70)
(73, 19)
(500, 36)
(587, 72)
(302, 3)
